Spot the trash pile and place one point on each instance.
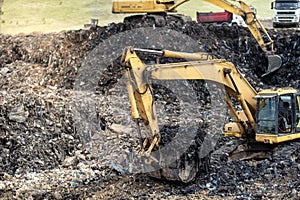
(42, 155)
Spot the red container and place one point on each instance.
(218, 17)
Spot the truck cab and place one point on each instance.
(286, 13)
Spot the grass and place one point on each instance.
(26, 16)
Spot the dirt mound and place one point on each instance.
(37, 78)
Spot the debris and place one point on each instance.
(43, 157)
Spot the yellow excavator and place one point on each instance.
(267, 117)
(158, 9)
(146, 6)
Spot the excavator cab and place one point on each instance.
(277, 116)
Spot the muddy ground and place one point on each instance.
(65, 124)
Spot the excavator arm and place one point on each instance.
(255, 27)
(202, 67)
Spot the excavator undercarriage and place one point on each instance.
(156, 12)
(158, 19)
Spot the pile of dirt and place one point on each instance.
(43, 155)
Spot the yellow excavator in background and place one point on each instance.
(158, 9)
(269, 116)
(146, 6)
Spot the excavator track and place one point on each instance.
(158, 19)
(251, 150)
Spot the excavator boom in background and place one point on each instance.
(248, 13)
(271, 116)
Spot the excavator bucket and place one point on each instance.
(274, 63)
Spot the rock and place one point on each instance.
(119, 129)
(18, 114)
(70, 161)
(4, 71)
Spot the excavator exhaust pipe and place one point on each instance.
(274, 63)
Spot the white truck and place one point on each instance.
(287, 13)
